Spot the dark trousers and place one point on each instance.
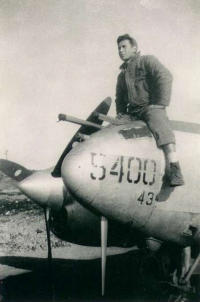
(158, 122)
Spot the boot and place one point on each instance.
(175, 175)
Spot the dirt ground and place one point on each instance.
(22, 226)
(23, 231)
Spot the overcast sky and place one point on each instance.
(61, 56)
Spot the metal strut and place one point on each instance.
(184, 285)
(104, 235)
(189, 273)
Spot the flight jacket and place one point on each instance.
(143, 81)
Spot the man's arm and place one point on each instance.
(120, 104)
(160, 80)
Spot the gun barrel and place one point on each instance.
(109, 119)
(75, 120)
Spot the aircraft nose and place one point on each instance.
(43, 189)
(78, 171)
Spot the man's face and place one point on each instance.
(126, 50)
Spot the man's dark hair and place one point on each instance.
(127, 37)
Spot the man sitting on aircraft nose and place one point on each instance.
(143, 91)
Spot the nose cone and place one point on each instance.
(43, 189)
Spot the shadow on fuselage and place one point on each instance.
(78, 280)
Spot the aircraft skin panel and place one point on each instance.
(171, 226)
(75, 223)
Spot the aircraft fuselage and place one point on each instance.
(118, 172)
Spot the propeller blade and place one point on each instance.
(14, 170)
(47, 216)
(38, 185)
(102, 108)
(50, 271)
(104, 236)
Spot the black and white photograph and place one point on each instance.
(100, 150)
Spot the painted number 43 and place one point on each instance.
(146, 198)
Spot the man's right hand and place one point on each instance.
(156, 106)
(123, 118)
